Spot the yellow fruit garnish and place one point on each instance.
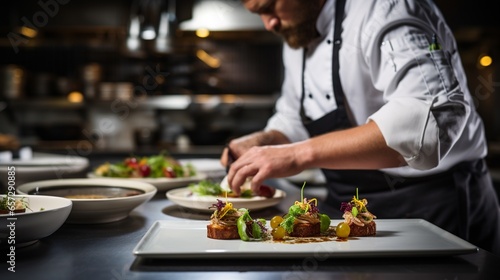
(342, 230)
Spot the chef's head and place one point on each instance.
(294, 20)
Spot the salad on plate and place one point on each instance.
(157, 166)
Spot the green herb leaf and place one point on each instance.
(288, 222)
(354, 211)
(246, 194)
(206, 187)
(325, 222)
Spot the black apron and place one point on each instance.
(461, 200)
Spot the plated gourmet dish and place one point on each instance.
(302, 220)
(228, 222)
(158, 166)
(303, 223)
(358, 221)
(223, 222)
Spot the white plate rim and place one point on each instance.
(44, 160)
(178, 196)
(161, 184)
(399, 244)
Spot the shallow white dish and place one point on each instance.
(209, 166)
(161, 184)
(95, 211)
(395, 238)
(35, 223)
(185, 198)
(43, 166)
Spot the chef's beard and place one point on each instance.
(299, 36)
(304, 31)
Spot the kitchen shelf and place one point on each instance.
(170, 102)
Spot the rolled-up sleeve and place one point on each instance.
(425, 111)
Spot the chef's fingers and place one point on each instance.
(258, 179)
(237, 175)
(223, 157)
(230, 158)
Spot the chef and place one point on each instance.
(375, 95)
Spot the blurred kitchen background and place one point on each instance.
(184, 75)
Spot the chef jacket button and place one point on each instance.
(328, 96)
(338, 42)
(310, 95)
(329, 41)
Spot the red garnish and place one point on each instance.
(145, 170)
(345, 206)
(131, 162)
(261, 225)
(266, 191)
(313, 208)
(219, 205)
(169, 172)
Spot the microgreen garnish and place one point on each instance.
(219, 205)
(302, 192)
(222, 208)
(345, 206)
(299, 208)
(355, 211)
(355, 206)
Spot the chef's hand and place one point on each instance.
(264, 162)
(239, 146)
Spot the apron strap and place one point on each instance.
(337, 43)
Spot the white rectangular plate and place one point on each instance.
(394, 238)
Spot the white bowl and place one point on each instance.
(44, 167)
(45, 215)
(162, 184)
(114, 207)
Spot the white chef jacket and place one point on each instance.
(418, 97)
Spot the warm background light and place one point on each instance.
(209, 60)
(202, 32)
(485, 60)
(28, 32)
(75, 97)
